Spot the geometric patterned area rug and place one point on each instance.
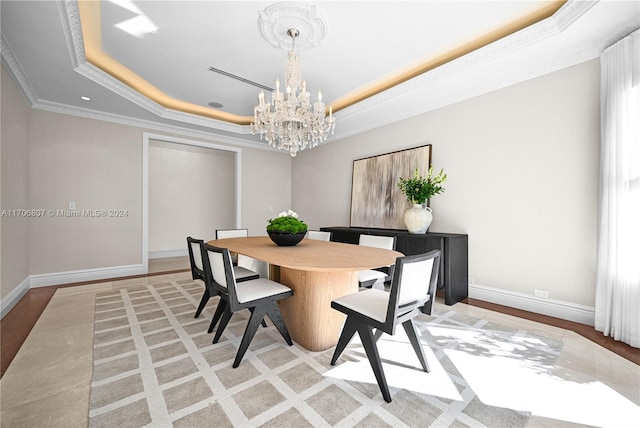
(154, 365)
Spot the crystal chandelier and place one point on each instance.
(289, 122)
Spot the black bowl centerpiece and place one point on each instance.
(286, 230)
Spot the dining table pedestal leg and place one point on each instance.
(311, 321)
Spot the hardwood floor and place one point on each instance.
(17, 324)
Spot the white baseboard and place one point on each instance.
(168, 253)
(70, 277)
(57, 278)
(13, 297)
(554, 308)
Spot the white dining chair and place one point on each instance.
(260, 296)
(242, 262)
(319, 235)
(197, 270)
(376, 278)
(232, 233)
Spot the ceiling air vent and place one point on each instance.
(242, 79)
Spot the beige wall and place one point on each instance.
(14, 146)
(191, 193)
(266, 187)
(97, 165)
(523, 180)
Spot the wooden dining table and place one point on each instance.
(317, 272)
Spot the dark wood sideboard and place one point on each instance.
(454, 260)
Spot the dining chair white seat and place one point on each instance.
(413, 284)
(372, 275)
(259, 289)
(319, 235)
(244, 274)
(371, 303)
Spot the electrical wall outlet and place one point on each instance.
(541, 293)
(471, 280)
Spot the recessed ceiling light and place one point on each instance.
(83, 98)
(215, 104)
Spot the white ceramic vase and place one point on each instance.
(417, 219)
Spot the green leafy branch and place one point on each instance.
(418, 189)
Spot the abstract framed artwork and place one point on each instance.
(376, 200)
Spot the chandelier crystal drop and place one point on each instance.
(289, 121)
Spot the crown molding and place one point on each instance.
(376, 116)
(195, 119)
(92, 72)
(571, 11)
(626, 29)
(72, 28)
(54, 107)
(15, 71)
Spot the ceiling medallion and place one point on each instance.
(291, 122)
(275, 20)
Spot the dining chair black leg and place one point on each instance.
(378, 334)
(366, 335)
(257, 315)
(273, 312)
(414, 338)
(348, 331)
(263, 323)
(216, 316)
(203, 302)
(226, 316)
(426, 309)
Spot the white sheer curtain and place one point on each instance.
(618, 278)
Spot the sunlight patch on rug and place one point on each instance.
(401, 367)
